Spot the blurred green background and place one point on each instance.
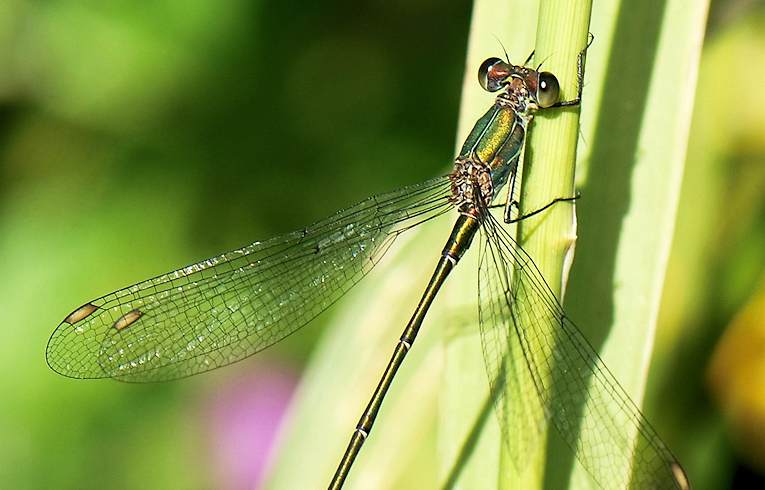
(136, 138)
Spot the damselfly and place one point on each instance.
(226, 308)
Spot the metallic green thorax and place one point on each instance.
(496, 140)
(489, 156)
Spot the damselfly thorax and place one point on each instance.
(493, 148)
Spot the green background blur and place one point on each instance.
(137, 138)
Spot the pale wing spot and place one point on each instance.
(680, 477)
(83, 311)
(128, 319)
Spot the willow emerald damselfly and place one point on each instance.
(228, 307)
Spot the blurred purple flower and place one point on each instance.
(245, 416)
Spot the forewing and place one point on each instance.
(228, 307)
(573, 388)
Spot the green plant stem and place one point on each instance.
(548, 173)
(551, 153)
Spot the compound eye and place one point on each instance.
(492, 74)
(548, 89)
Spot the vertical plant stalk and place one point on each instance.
(550, 158)
(469, 440)
(548, 173)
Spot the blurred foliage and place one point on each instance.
(736, 378)
(135, 138)
(718, 256)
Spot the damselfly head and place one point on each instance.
(494, 74)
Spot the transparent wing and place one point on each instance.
(521, 412)
(552, 374)
(228, 307)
